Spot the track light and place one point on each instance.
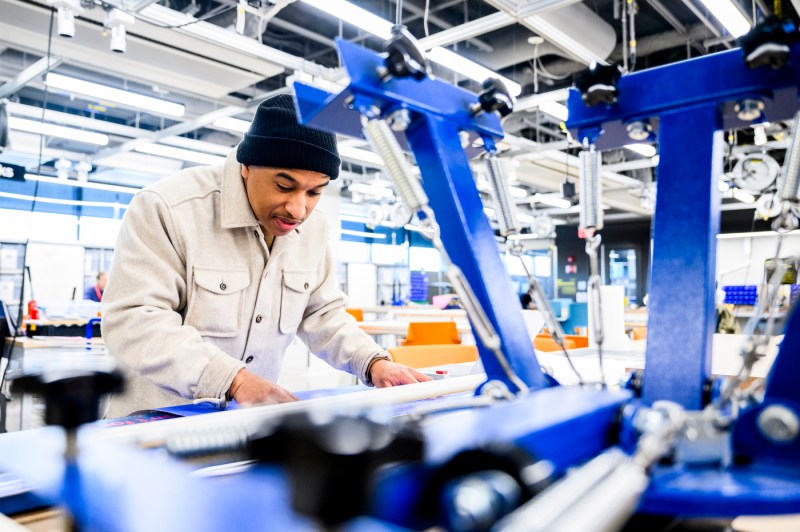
(116, 20)
(66, 9)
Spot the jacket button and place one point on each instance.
(248, 359)
(223, 286)
(305, 286)
(258, 319)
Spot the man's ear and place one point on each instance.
(245, 172)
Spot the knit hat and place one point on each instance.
(276, 139)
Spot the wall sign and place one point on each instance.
(12, 171)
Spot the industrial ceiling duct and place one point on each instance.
(572, 27)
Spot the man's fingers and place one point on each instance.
(421, 377)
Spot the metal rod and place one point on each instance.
(506, 209)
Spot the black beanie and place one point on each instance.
(276, 139)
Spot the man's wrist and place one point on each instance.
(237, 382)
(376, 358)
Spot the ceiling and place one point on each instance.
(188, 52)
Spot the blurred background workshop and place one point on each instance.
(399, 265)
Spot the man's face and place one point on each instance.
(101, 281)
(282, 198)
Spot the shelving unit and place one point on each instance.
(11, 272)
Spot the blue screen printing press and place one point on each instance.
(511, 449)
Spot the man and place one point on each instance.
(216, 269)
(95, 293)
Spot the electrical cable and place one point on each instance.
(425, 17)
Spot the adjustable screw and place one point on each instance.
(779, 424)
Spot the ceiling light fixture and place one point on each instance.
(117, 20)
(52, 130)
(232, 124)
(197, 145)
(545, 29)
(79, 203)
(372, 190)
(362, 234)
(359, 155)
(66, 11)
(123, 97)
(553, 200)
(363, 19)
(555, 109)
(470, 69)
(179, 153)
(645, 150)
(83, 184)
(352, 14)
(728, 15)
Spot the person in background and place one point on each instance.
(217, 269)
(526, 301)
(95, 292)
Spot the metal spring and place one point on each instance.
(383, 141)
(789, 189)
(506, 211)
(591, 190)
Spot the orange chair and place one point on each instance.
(357, 313)
(639, 333)
(580, 341)
(423, 356)
(545, 342)
(431, 333)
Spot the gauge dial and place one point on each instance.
(755, 172)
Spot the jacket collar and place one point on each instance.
(234, 207)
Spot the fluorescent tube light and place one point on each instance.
(232, 124)
(552, 200)
(362, 234)
(352, 218)
(80, 203)
(743, 196)
(352, 14)
(122, 97)
(372, 190)
(555, 109)
(179, 153)
(82, 184)
(33, 126)
(729, 16)
(418, 229)
(379, 27)
(723, 186)
(198, 145)
(642, 149)
(488, 211)
(470, 69)
(756, 234)
(525, 218)
(359, 155)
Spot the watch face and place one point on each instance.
(755, 172)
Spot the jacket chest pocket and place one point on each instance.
(295, 291)
(217, 303)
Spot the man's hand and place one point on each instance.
(385, 374)
(248, 390)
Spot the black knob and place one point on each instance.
(769, 43)
(72, 397)
(599, 83)
(495, 97)
(404, 57)
(331, 463)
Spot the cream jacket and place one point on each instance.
(194, 295)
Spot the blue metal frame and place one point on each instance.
(690, 102)
(439, 112)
